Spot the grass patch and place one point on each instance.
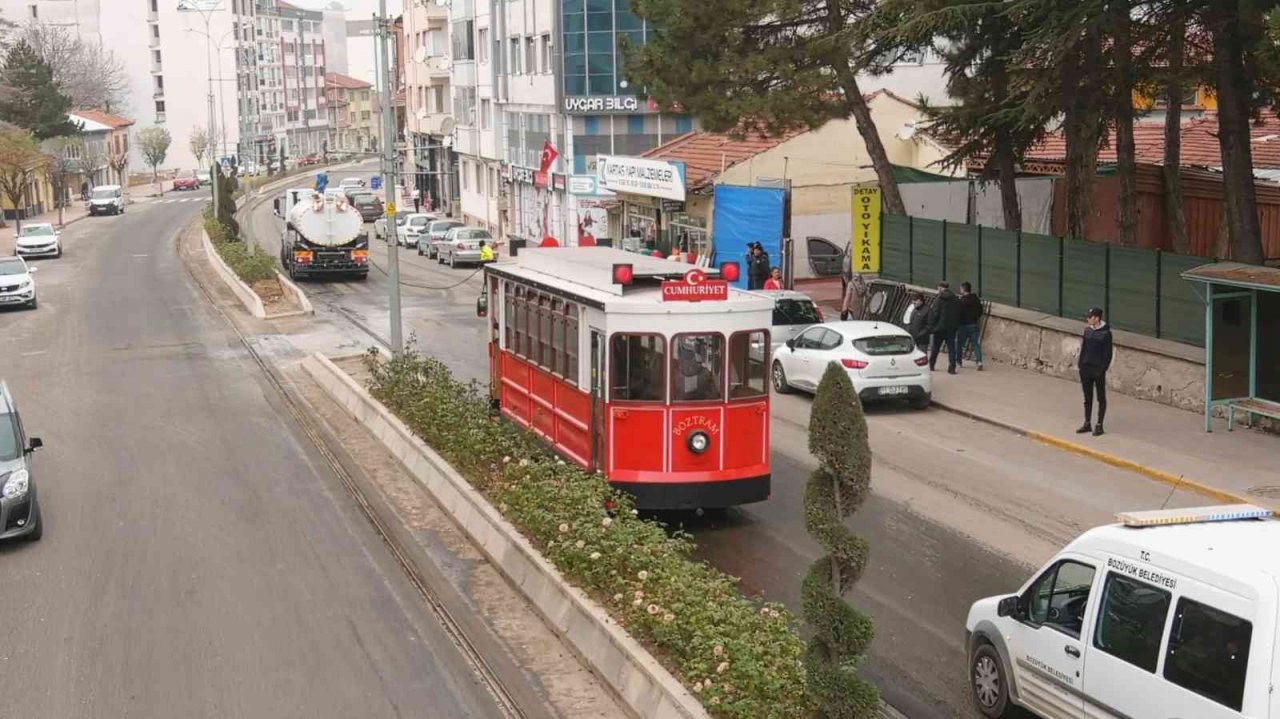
(249, 261)
(741, 657)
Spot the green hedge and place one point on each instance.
(741, 657)
(249, 261)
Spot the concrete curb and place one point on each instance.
(1158, 475)
(644, 685)
(298, 294)
(250, 299)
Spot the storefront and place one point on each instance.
(589, 207)
(650, 213)
(537, 203)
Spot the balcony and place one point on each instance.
(156, 68)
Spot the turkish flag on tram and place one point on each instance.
(549, 156)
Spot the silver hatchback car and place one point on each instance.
(19, 510)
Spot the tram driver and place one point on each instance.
(697, 381)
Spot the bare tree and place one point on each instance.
(94, 158)
(64, 157)
(86, 71)
(154, 144)
(199, 144)
(20, 160)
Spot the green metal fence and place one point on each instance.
(1141, 291)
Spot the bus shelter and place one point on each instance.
(1241, 339)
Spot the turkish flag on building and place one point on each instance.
(549, 156)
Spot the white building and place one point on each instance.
(78, 15)
(429, 162)
(334, 30)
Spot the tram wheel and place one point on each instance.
(780, 379)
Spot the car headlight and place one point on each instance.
(16, 485)
(699, 442)
(24, 284)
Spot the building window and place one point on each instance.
(484, 114)
(530, 55)
(546, 54)
(464, 40)
(35, 12)
(155, 32)
(466, 169)
(483, 42)
(155, 5)
(513, 57)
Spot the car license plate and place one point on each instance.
(10, 299)
(893, 390)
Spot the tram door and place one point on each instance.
(597, 399)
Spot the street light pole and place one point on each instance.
(385, 71)
(206, 13)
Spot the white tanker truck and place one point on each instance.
(323, 235)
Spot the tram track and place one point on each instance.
(483, 671)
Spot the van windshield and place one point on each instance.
(105, 194)
(9, 449)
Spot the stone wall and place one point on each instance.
(1163, 371)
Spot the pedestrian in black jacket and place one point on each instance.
(970, 330)
(1095, 359)
(757, 266)
(944, 320)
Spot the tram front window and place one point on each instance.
(697, 371)
(636, 368)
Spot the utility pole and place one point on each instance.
(385, 72)
(205, 13)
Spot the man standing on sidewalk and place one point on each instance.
(1095, 360)
(970, 317)
(944, 319)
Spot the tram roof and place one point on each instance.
(587, 273)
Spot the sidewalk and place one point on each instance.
(1155, 440)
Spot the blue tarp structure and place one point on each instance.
(744, 215)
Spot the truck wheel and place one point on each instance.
(987, 682)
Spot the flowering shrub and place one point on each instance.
(741, 657)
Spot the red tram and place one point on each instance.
(651, 371)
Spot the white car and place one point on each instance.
(106, 200)
(882, 361)
(435, 235)
(38, 240)
(350, 182)
(380, 226)
(17, 285)
(793, 312)
(415, 224)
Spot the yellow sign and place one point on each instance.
(866, 229)
(391, 208)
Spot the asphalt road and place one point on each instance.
(958, 511)
(200, 559)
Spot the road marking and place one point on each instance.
(141, 255)
(36, 353)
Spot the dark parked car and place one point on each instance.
(367, 204)
(19, 511)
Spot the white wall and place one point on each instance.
(334, 29)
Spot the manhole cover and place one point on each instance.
(1270, 491)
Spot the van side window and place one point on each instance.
(1209, 652)
(1059, 598)
(1131, 621)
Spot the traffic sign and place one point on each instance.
(375, 183)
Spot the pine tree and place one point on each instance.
(765, 65)
(33, 101)
(841, 633)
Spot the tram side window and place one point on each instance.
(636, 369)
(555, 360)
(544, 357)
(748, 356)
(571, 343)
(509, 316)
(697, 367)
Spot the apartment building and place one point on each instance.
(353, 119)
(302, 52)
(526, 74)
(428, 159)
(80, 16)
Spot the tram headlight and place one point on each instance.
(699, 442)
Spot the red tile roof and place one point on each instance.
(707, 154)
(115, 122)
(345, 82)
(1199, 143)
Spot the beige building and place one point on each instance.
(822, 167)
(352, 116)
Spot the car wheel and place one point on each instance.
(987, 682)
(38, 532)
(780, 379)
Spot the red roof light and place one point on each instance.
(730, 271)
(623, 274)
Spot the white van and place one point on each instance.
(1170, 614)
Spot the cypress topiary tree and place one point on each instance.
(841, 633)
(227, 204)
